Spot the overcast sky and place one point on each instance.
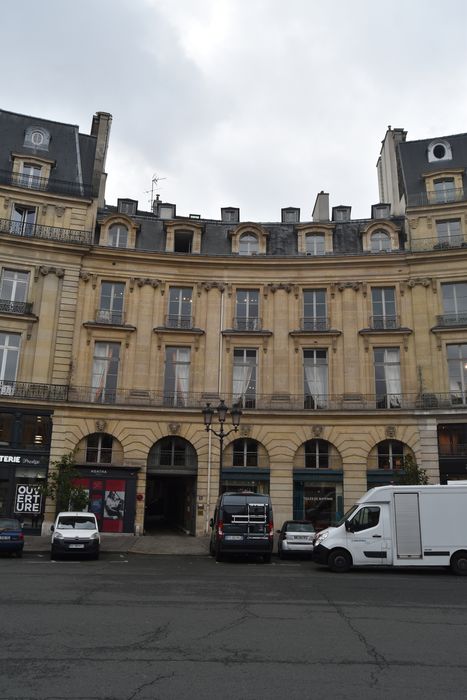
(258, 104)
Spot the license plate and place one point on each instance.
(233, 537)
(76, 546)
(5, 537)
(303, 540)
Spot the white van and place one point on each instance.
(400, 526)
(75, 533)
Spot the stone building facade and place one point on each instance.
(344, 341)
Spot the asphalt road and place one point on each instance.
(158, 627)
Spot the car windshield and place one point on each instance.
(300, 527)
(9, 524)
(72, 522)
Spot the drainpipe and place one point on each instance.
(219, 384)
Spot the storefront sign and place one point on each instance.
(28, 499)
(24, 460)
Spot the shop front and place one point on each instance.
(112, 496)
(244, 479)
(318, 497)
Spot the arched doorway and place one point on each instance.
(171, 482)
(318, 483)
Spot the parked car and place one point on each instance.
(242, 524)
(296, 537)
(75, 533)
(11, 536)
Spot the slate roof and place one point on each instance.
(72, 152)
(413, 157)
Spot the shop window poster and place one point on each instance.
(114, 505)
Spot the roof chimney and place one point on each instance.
(321, 208)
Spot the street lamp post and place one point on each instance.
(222, 410)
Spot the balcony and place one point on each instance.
(15, 307)
(428, 244)
(107, 316)
(424, 199)
(449, 320)
(316, 324)
(33, 391)
(45, 184)
(389, 322)
(179, 321)
(242, 323)
(50, 233)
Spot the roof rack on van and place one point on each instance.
(252, 516)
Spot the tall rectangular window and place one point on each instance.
(14, 291)
(118, 236)
(9, 356)
(315, 378)
(455, 303)
(244, 376)
(449, 232)
(444, 190)
(30, 176)
(105, 372)
(387, 377)
(457, 367)
(177, 376)
(314, 310)
(22, 220)
(384, 308)
(180, 307)
(111, 303)
(247, 310)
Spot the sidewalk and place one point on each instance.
(171, 543)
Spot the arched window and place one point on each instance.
(248, 244)
(245, 453)
(172, 453)
(390, 454)
(99, 448)
(118, 236)
(316, 454)
(380, 241)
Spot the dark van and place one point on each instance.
(242, 524)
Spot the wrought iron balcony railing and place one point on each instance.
(45, 184)
(315, 324)
(459, 319)
(385, 323)
(51, 233)
(428, 244)
(423, 199)
(178, 321)
(115, 318)
(242, 323)
(33, 391)
(15, 307)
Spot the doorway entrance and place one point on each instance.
(170, 503)
(171, 482)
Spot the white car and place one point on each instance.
(75, 533)
(295, 537)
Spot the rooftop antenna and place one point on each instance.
(154, 186)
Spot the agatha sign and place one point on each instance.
(27, 499)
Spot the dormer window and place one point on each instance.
(290, 215)
(30, 175)
(380, 211)
(315, 244)
(37, 137)
(438, 151)
(127, 206)
(230, 215)
(183, 241)
(341, 213)
(380, 242)
(118, 236)
(167, 211)
(248, 244)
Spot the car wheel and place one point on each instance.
(459, 564)
(19, 553)
(340, 561)
(267, 558)
(211, 549)
(219, 555)
(281, 553)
